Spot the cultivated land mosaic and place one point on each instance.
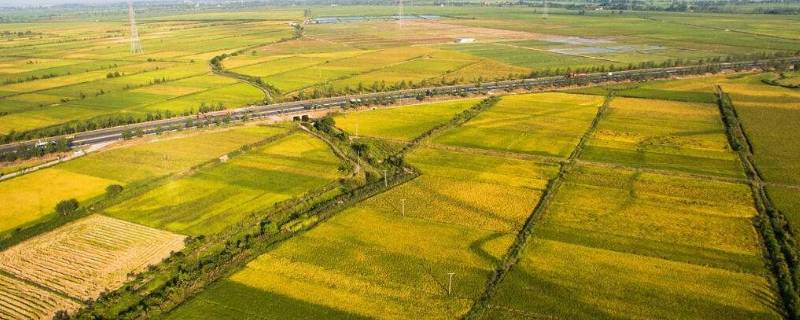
(381, 160)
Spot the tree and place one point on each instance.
(298, 31)
(113, 190)
(360, 148)
(325, 124)
(65, 207)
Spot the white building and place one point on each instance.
(465, 40)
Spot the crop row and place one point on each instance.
(90, 256)
(19, 300)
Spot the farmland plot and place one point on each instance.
(768, 113)
(402, 123)
(625, 244)
(89, 256)
(664, 135)
(80, 76)
(389, 257)
(548, 124)
(217, 197)
(32, 197)
(382, 34)
(346, 66)
(19, 300)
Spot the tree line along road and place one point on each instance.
(300, 107)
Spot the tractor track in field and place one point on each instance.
(512, 256)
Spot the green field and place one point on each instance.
(402, 123)
(214, 198)
(548, 124)
(65, 78)
(48, 80)
(32, 197)
(372, 260)
(625, 244)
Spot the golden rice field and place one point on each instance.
(389, 257)
(653, 221)
(401, 123)
(217, 197)
(32, 197)
(621, 243)
(664, 134)
(89, 256)
(548, 124)
(19, 300)
(769, 115)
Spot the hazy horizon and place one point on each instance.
(37, 3)
(34, 3)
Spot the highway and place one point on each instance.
(300, 107)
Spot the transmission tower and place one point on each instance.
(136, 46)
(544, 15)
(400, 13)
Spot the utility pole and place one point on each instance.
(403, 206)
(450, 283)
(385, 179)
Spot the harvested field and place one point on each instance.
(89, 256)
(20, 301)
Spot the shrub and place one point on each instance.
(65, 207)
(113, 190)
